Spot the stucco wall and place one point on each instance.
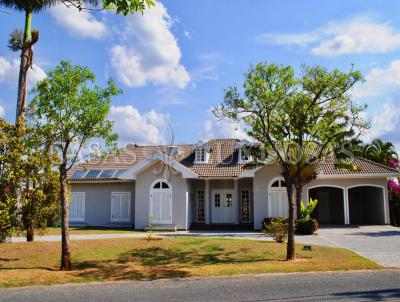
(265, 175)
(260, 188)
(180, 191)
(98, 201)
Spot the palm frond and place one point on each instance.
(40, 5)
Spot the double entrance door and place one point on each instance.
(222, 206)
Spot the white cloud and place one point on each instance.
(9, 71)
(135, 128)
(2, 111)
(216, 128)
(385, 124)
(357, 35)
(148, 51)
(379, 81)
(79, 23)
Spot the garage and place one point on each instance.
(366, 205)
(330, 208)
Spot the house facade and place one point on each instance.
(212, 184)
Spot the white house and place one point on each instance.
(210, 184)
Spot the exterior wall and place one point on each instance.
(98, 202)
(263, 177)
(260, 187)
(180, 196)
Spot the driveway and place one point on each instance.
(380, 243)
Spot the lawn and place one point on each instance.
(36, 263)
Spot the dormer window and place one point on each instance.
(243, 148)
(244, 155)
(202, 153)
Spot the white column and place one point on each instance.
(236, 201)
(386, 205)
(207, 200)
(187, 210)
(346, 206)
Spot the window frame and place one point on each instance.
(249, 205)
(203, 208)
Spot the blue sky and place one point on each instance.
(174, 62)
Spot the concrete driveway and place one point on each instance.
(380, 243)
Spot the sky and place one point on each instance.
(174, 62)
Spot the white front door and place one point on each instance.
(161, 203)
(222, 206)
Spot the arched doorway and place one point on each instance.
(330, 207)
(278, 205)
(161, 202)
(366, 204)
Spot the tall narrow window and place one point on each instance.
(201, 212)
(217, 200)
(245, 205)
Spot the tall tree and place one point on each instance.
(24, 41)
(299, 119)
(70, 110)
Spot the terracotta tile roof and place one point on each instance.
(366, 167)
(223, 161)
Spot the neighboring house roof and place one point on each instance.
(223, 162)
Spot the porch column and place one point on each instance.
(207, 200)
(236, 201)
(386, 205)
(346, 205)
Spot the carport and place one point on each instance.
(366, 204)
(330, 207)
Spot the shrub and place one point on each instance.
(277, 228)
(306, 210)
(268, 220)
(306, 226)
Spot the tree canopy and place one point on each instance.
(299, 119)
(70, 110)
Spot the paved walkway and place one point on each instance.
(379, 243)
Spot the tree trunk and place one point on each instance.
(299, 190)
(30, 232)
(291, 250)
(26, 60)
(65, 248)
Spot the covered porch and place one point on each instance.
(223, 204)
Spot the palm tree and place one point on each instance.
(24, 43)
(380, 151)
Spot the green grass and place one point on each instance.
(37, 263)
(88, 231)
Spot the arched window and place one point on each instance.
(160, 185)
